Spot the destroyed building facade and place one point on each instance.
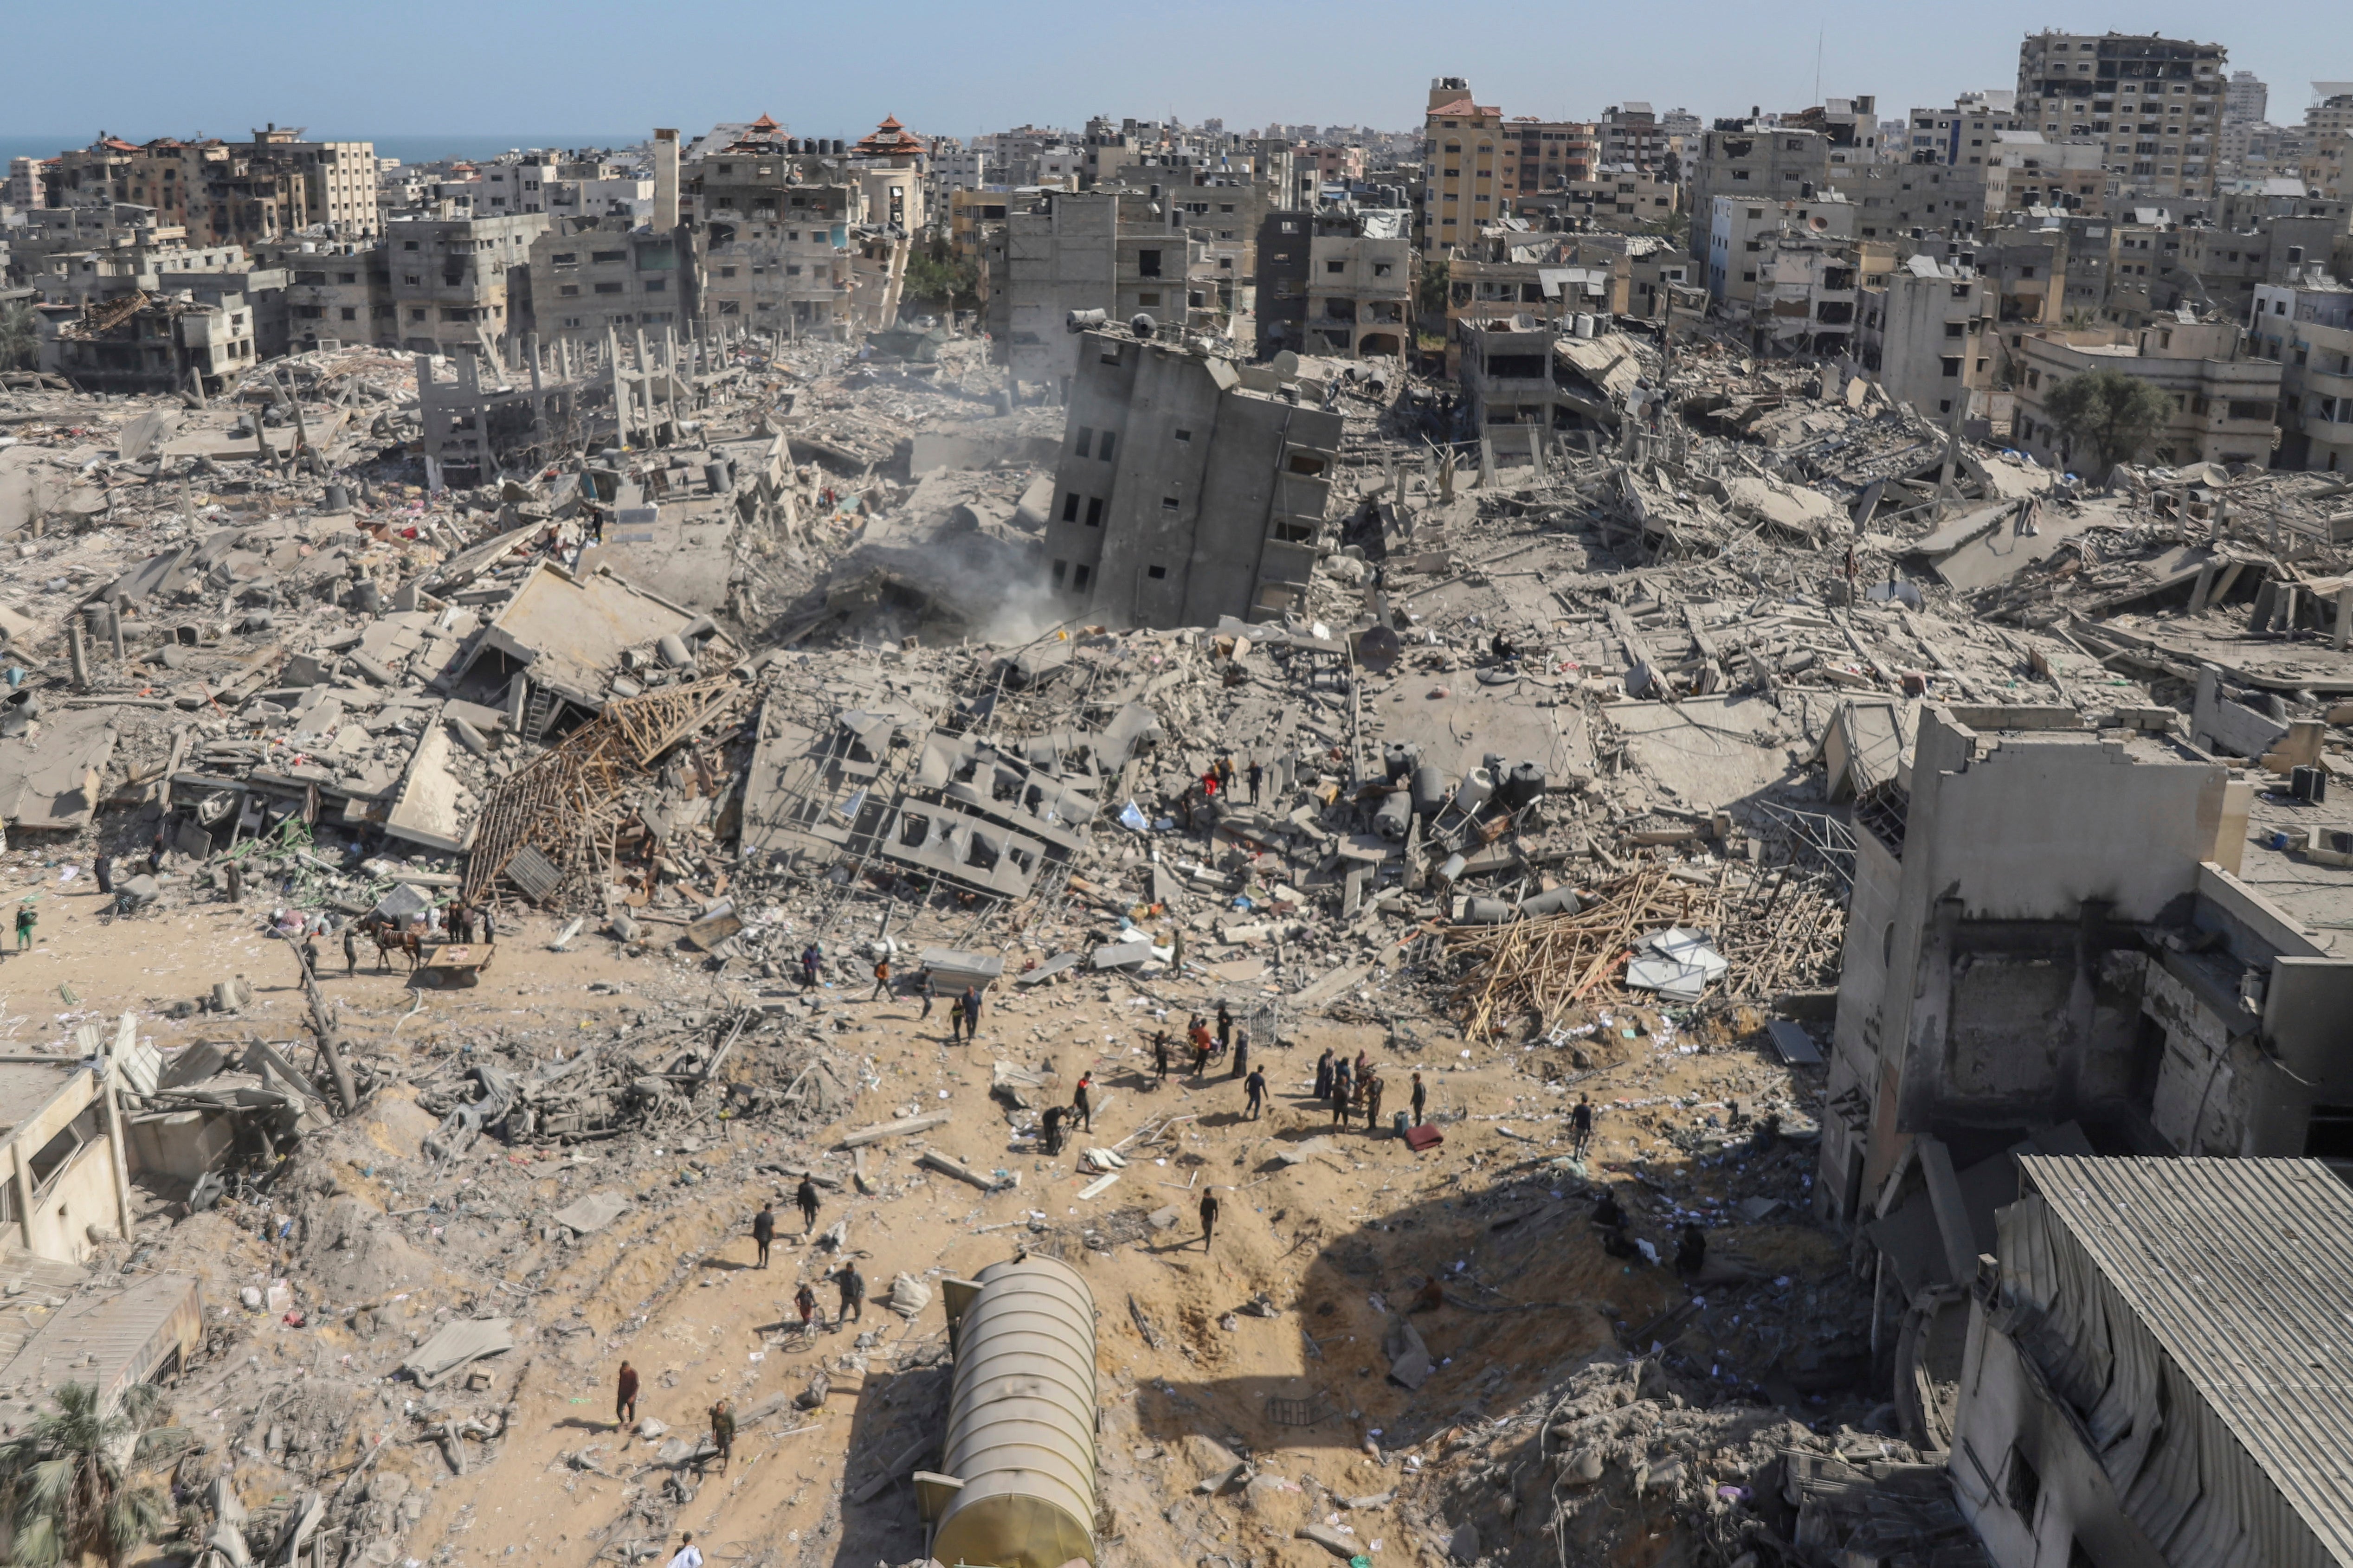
(2048, 924)
(457, 283)
(1115, 250)
(2154, 103)
(1192, 487)
(2223, 403)
(65, 1182)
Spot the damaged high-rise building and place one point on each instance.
(1190, 487)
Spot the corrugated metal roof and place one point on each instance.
(2243, 1272)
(112, 1338)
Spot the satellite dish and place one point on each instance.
(1285, 363)
(1377, 648)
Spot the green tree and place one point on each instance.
(20, 337)
(1429, 293)
(936, 276)
(2112, 413)
(69, 1482)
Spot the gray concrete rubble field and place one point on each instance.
(555, 807)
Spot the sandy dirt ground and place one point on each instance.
(1190, 1375)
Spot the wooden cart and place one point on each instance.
(454, 964)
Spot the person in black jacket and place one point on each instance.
(764, 1230)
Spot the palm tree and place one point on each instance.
(67, 1482)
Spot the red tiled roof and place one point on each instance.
(764, 123)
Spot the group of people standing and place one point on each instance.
(1219, 778)
(1354, 1086)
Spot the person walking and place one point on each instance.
(931, 995)
(804, 1299)
(1208, 1218)
(1225, 1027)
(764, 1230)
(688, 1555)
(1226, 773)
(103, 869)
(1324, 1074)
(806, 1196)
(350, 949)
(972, 1014)
(1580, 1127)
(956, 1019)
(489, 927)
(809, 959)
(1051, 1129)
(1160, 1055)
(1420, 1098)
(1256, 773)
(624, 1397)
(1241, 1053)
(1200, 1034)
(1372, 1087)
(1254, 1087)
(722, 1433)
(26, 920)
(1343, 1085)
(881, 979)
(1082, 1107)
(853, 1295)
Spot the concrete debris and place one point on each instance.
(708, 752)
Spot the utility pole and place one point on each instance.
(322, 1025)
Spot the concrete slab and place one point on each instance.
(433, 808)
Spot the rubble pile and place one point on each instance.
(668, 795)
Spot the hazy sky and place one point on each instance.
(597, 67)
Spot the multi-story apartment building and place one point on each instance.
(1551, 156)
(1900, 201)
(2332, 116)
(1467, 160)
(777, 227)
(523, 185)
(1927, 335)
(150, 343)
(1112, 250)
(1963, 134)
(336, 290)
(2155, 104)
(2246, 100)
(454, 281)
(1360, 287)
(338, 177)
(1631, 135)
(2306, 328)
(2224, 400)
(1191, 487)
(1742, 233)
(1625, 199)
(29, 182)
(2029, 170)
(589, 276)
(1755, 163)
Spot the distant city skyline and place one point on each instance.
(956, 71)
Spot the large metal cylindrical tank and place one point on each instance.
(1428, 790)
(1021, 1421)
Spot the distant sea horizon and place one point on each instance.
(429, 149)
